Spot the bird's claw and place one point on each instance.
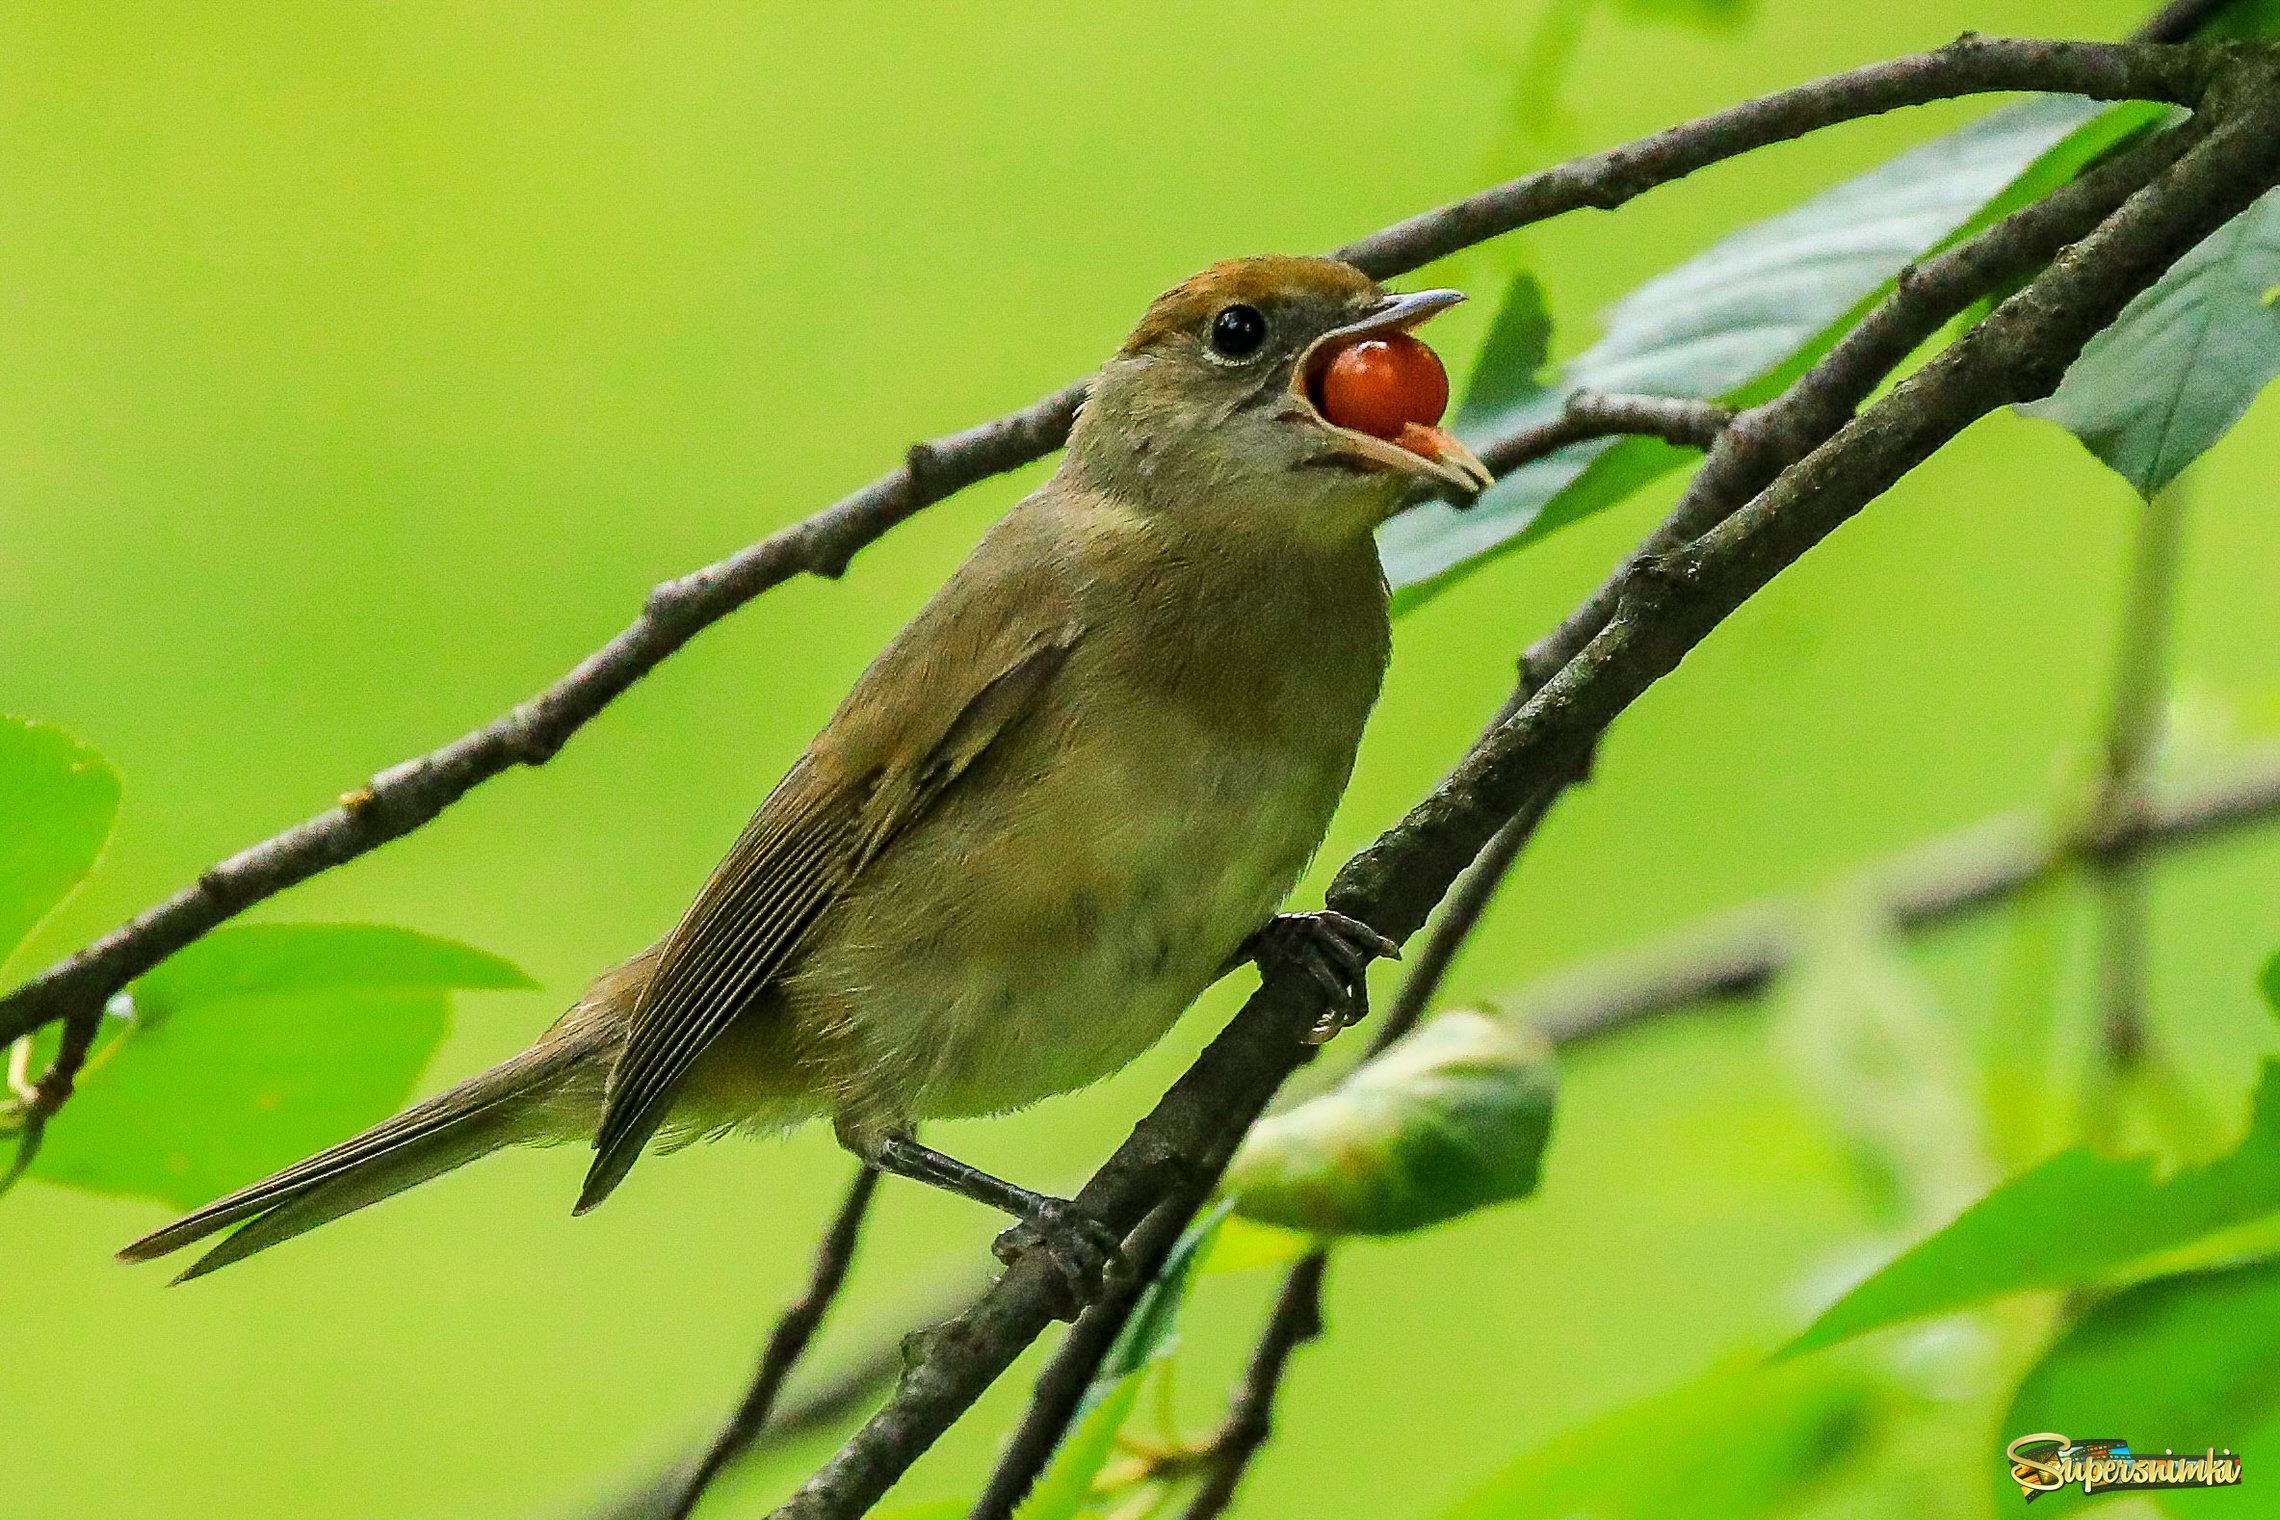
(1087, 1253)
(1333, 948)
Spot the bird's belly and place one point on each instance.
(1084, 923)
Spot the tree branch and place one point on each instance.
(1589, 414)
(1295, 1320)
(785, 1347)
(408, 796)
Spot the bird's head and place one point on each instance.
(1214, 407)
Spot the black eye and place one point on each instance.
(1238, 330)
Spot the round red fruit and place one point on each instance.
(1381, 385)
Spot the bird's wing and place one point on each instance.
(964, 670)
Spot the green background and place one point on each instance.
(361, 367)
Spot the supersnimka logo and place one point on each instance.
(2046, 1462)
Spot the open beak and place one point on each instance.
(1428, 453)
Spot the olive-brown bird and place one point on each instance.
(1067, 797)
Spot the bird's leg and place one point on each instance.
(1331, 947)
(1085, 1250)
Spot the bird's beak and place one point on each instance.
(1429, 453)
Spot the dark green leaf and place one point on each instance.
(2075, 1219)
(254, 1047)
(1730, 317)
(1148, 1337)
(1739, 1443)
(57, 802)
(2246, 18)
(1450, 1118)
(1509, 373)
(2269, 981)
(2156, 390)
(2182, 1364)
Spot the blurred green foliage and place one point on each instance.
(256, 1046)
(367, 366)
(57, 800)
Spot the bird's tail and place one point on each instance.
(552, 1091)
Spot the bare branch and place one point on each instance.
(1589, 414)
(1969, 65)
(408, 796)
(1297, 1319)
(1061, 1388)
(793, 1332)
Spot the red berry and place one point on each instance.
(1381, 385)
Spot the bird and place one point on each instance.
(1069, 795)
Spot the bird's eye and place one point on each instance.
(1238, 331)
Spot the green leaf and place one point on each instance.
(2245, 18)
(2181, 1363)
(1148, 1337)
(58, 799)
(2077, 1218)
(1739, 1443)
(2269, 981)
(1725, 320)
(2155, 391)
(1862, 1032)
(1509, 374)
(254, 1047)
(1451, 1117)
(1245, 1245)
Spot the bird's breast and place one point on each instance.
(1092, 875)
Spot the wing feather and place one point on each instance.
(813, 836)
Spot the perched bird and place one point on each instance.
(1067, 797)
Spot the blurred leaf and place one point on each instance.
(1727, 318)
(2156, 390)
(2269, 981)
(1148, 1337)
(57, 802)
(250, 960)
(2178, 1363)
(1245, 1244)
(1861, 1033)
(1739, 1442)
(254, 1047)
(1451, 1117)
(2246, 18)
(1702, 15)
(2074, 1219)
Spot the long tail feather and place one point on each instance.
(538, 1095)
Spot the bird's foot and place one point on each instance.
(1086, 1252)
(1334, 949)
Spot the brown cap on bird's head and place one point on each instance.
(1285, 363)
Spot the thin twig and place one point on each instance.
(1740, 953)
(408, 796)
(1589, 414)
(792, 1334)
(1296, 1319)
(2133, 733)
(1061, 1387)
